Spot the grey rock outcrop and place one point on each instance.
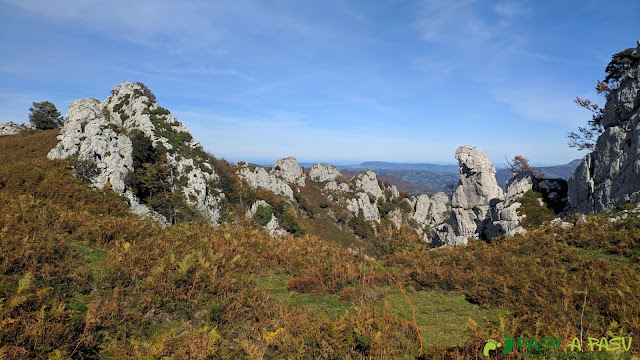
(260, 178)
(367, 182)
(470, 212)
(362, 202)
(519, 184)
(504, 220)
(431, 211)
(289, 170)
(321, 173)
(610, 175)
(97, 131)
(333, 185)
(273, 227)
(10, 128)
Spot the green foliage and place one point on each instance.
(263, 214)
(146, 92)
(151, 182)
(304, 204)
(125, 101)
(45, 116)
(619, 65)
(361, 226)
(84, 169)
(385, 207)
(143, 150)
(536, 214)
(289, 222)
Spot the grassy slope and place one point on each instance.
(81, 278)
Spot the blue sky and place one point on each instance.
(333, 81)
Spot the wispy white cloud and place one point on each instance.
(543, 104)
(460, 23)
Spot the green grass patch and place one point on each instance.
(94, 257)
(329, 305)
(441, 316)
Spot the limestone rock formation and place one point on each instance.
(470, 212)
(273, 227)
(289, 170)
(519, 184)
(610, 175)
(260, 178)
(362, 202)
(321, 173)
(367, 182)
(431, 211)
(478, 183)
(99, 132)
(504, 220)
(334, 185)
(10, 128)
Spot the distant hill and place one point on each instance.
(381, 165)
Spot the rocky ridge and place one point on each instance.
(610, 175)
(101, 133)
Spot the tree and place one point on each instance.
(45, 116)
(586, 137)
(616, 70)
(519, 164)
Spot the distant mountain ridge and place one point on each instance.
(433, 177)
(382, 165)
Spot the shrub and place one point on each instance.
(536, 214)
(361, 226)
(146, 92)
(263, 214)
(84, 169)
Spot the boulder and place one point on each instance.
(260, 178)
(367, 182)
(288, 170)
(10, 128)
(321, 173)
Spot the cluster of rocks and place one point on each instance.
(273, 227)
(99, 132)
(11, 128)
(606, 178)
(479, 207)
(610, 175)
(258, 177)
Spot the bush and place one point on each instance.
(263, 214)
(146, 92)
(84, 169)
(536, 214)
(360, 226)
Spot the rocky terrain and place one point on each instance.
(104, 133)
(610, 175)
(130, 144)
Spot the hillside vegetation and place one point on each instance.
(81, 278)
